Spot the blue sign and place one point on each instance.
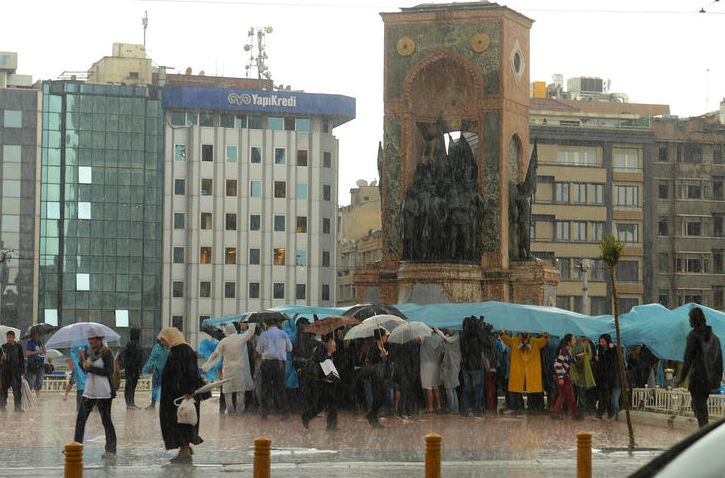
(260, 101)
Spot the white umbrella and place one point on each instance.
(389, 322)
(53, 353)
(409, 331)
(4, 329)
(363, 331)
(77, 335)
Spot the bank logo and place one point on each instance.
(242, 100)
(261, 100)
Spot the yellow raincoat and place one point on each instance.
(525, 364)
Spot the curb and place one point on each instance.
(675, 422)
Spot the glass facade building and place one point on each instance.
(101, 206)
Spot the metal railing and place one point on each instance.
(57, 383)
(674, 401)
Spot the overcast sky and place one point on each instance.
(656, 51)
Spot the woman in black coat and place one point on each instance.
(179, 379)
(607, 377)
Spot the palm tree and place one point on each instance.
(611, 250)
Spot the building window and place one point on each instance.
(230, 255)
(289, 123)
(599, 305)
(205, 119)
(576, 158)
(663, 226)
(301, 191)
(254, 256)
(325, 225)
(205, 289)
(627, 271)
(563, 264)
(597, 230)
(300, 291)
(205, 255)
(207, 187)
(231, 221)
(717, 261)
(579, 193)
(180, 186)
(562, 231)
(663, 189)
(662, 155)
(254, 290)
(176, 118)
(579, 230)
(231, 154)
(255, 189)
(278, 290)
(301, 157)
(302, 125)
(627, 196)
(255, 155)
(628, 233)
(694, 191)
(178, 322)
(597, 193)
(279, 155)
(563, 302)
(693, 153)
(178, 289)
(13, 119)
(326, 159)
(718, 294)
(255, 222)
(279, 256)
(326, 192)
(561, 192)
(192, 119)
(279, 223)
(664, 297)
(280, 189)
(230, 290)
(302, 224)
(693, 227)
(717, 154)
(206, 220)
(180, 152)
(325, 258)
(84, 210)
(325, 291)
(83, 282)
(226, 120)
(663, 262)
(598, 271)
(231, 187)
(717, 187)
(626, 304)
(178, 255)
(178, 220)
(300, 258)
(627, 162)
(255, 122)
(275, 123)
(207, 152)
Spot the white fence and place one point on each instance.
(675, 401)
(57, 383)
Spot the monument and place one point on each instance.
(456, 207)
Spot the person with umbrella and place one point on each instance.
(374, 371)
(13, 371)
(131, 359)
(35, 352)
(273, 346)
(450, 367)
(322, 386)
(180, 378)
(99, 366)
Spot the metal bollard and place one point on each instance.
(583, 455)
(73, 460)
(262, 446)
(433, 456)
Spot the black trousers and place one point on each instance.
(699, 407)
(378, 389)
(605, 401)
(407, 398)
(273, 386)
(13, 382)
(322, 395)
(129, 391)
(104, 408)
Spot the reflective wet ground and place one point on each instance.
(493, 445)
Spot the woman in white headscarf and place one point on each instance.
(235, 365)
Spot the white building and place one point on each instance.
(250, 207)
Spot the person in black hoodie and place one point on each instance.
(132, 360)
(703, 361)
(472, 367)
(322, 388)
(607, 377)
(12, 364)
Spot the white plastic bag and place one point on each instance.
(27, 398)
(186, 411)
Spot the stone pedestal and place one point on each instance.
(533, 283)
(423, 283)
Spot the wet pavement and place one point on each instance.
(493, 445)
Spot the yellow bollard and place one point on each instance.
(584, 455)
(433, 456)
(73, 460)
(262, 446)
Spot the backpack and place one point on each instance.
(713, 366)
(115, 377)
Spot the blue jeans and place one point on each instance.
(452, 400)
(616, 392)
(35, 380)
(472, 391)
(368, 395)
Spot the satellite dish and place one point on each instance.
(188, 71)
(268, 30)
(361, 183)
(247, 47)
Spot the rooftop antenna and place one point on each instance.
(258, 61)
(145, 23)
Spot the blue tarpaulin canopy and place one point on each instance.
(223, 320)
(640, 313)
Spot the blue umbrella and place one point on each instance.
(666, 334)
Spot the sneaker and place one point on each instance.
(305, 423)
(151, 407)
(180, 460)
(109, 455)
(132, 407)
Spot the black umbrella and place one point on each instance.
(263, 316)
(41, 329)
(364, 311)
(215, 332)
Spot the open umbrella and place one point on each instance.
(409, 331)
(263, 316)
(384, 320)
(53, 353)
(215, 332)
(41, 329)
(4, 329)
(328, 324)
(363, 311)
(363, 331)
(77, 334)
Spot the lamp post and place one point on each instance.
(584, 265)
(5, 256)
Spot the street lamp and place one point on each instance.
(5, 256)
